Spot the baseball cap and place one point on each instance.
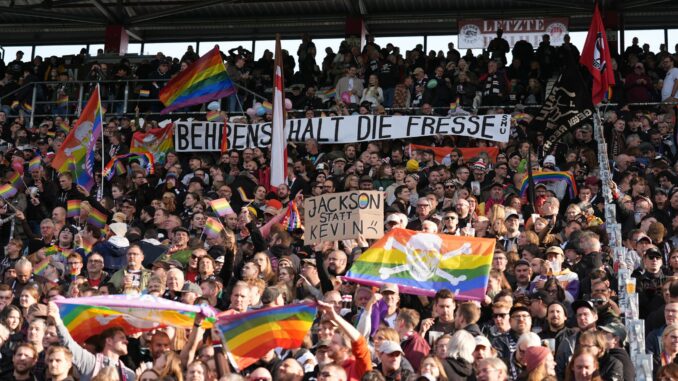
(554, 250)
(310, 261)
(192, 287)
(389, 347)
(653, 253)
(511, 213)
(616, 329)
(577, 304)
(643, 236)
(481, 340)
(388, 287)
(392, 218)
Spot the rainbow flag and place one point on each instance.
(542, 177)
(292, 220)
(330, 93)
(52, 250)
(64, 128)
(88, 316)
(35, 163)
(205, 80)
(267, 105)
(39, 268)
(158, 142)
(51, 134)
(97, 218)
(250, 335)
(116, 166)
(212, 228)
(7, 191)
(143, 93)
(423, 263)
(454, 105)
(16, 180)
(214, 116)
(27, 107)
(73, 208)
(221, 207)
(62, 99)
(78, 147)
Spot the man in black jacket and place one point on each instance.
(615, 333)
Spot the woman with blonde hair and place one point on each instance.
(169, 364)
(433, 367)
(266, 272)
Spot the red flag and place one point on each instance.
(596, 57)
(278, 139)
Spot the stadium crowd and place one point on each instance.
(550, 311)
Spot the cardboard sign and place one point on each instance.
(345, 215)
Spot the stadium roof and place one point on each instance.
(25, 22)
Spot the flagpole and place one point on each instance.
(100, 192)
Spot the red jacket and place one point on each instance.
(360, 363)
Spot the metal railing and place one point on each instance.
(73, 108)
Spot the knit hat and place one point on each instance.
(535, 356)
(412, 166)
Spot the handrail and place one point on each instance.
(133, 83)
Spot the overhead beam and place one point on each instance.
(134, 35)
(104, 11)
(19, 11)
(643, 3)
(175, 10)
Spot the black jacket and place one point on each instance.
(457, 369)
(620, 354)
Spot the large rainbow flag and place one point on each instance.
(423, 263)
(158, 142)
(205, 80)
(89, 316)
(250, 335)
(545, 177)
(77, 151)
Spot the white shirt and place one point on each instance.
(669, 80)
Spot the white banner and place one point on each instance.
(192, 136)
(477, 33)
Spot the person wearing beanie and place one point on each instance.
(539, 363)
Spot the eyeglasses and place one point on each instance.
(193, 256)
(423, 205)
(98, 261)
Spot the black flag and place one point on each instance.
(567, 107)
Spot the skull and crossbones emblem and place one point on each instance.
(423, 254)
